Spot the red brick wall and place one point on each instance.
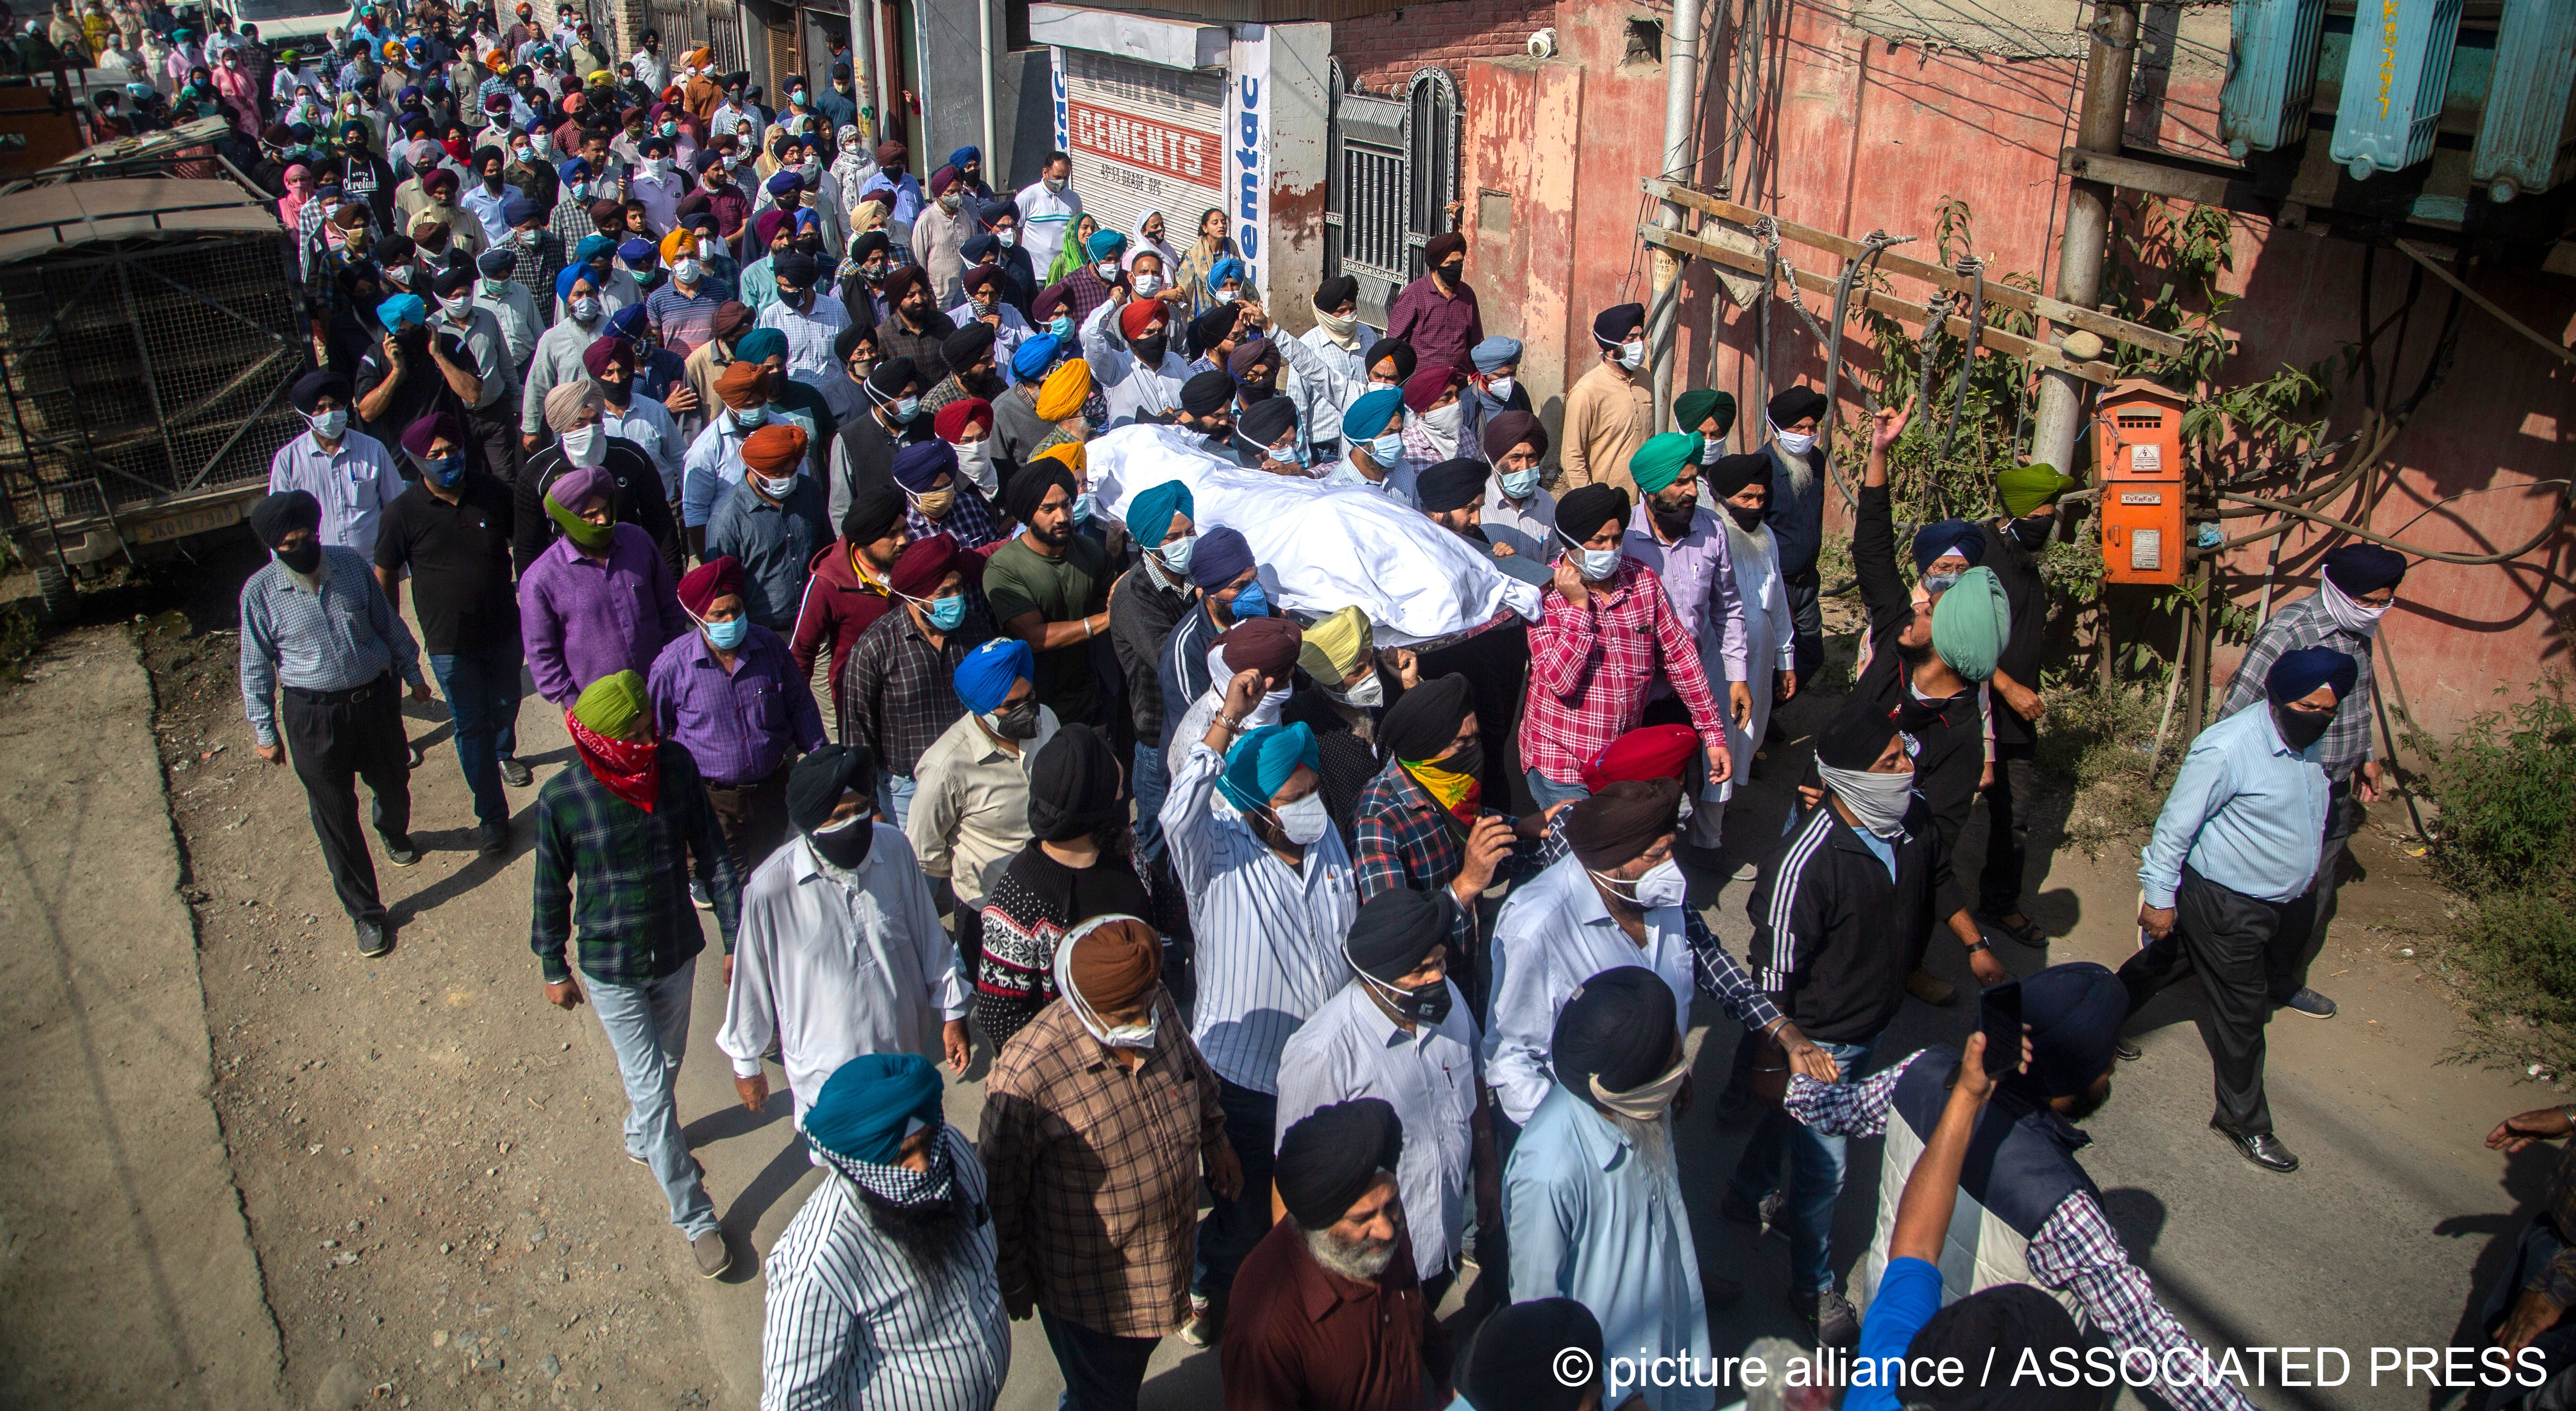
(1381, 53)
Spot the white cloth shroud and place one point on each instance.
(1321, 548)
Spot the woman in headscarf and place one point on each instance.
(1081, 863)
(852, 169)
(1212, 246)
(299, 189)
(1152, 239)
(1075, 251)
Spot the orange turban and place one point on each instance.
(742, 385)
(774, 449)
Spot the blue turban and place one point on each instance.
(760, 345)
(573, 170)
(1222, 270)
(1105, 243)
(984, 678)
(1949, 536)
(1495, 354)
(2296, 674)
(918, 465)
(637, 253)
(629, 322)
(593, 247)
(2365, 568)
(1034, 356)
(401, 309)
(962, 156)
(1261, 762)
(1220, 558)
(993, 211)
(868, 1104)
(786, 183)
(1372, 414)
(2074, 1012)
(517, 209)
(978, 246)
(499, 262)
(564, 279)
(1150, 514)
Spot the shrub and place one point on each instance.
(2507, 790)
(2104, 741)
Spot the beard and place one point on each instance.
(1058, 538)
(1916, 654)
(2089, 1101)
(928, 1235)
(1360, 1261)
(1652, 1140)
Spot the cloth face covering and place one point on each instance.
(2350, 613)
(1879, 801)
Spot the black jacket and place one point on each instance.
(1834, 936)
(2018, 570)
(638, 502)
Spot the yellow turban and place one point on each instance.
(1336, 646)
(1069, 452)
(1064, 391)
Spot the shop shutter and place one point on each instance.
(1144, 138)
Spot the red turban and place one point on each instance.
(774, 449)
(765, 226)
(702, 585)
(1139, 316)
(957, 416)
(607, 352)
(1425, 387)
(1649, 752)
(925, 561)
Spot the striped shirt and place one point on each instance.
(354, 483)
(1269, 937)
(809, 335)
(854, 1321)
(342, 636)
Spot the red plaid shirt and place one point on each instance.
(1591, 668)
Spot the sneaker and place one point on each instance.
(2128, 1052)
(495, 841)
(374, 938)
(515, 774)
(1775, 1213)
(400, 852)
(2310, 1003)
(1828, 1315)
(713, 1257)
(698, 897)
(1206, 1326)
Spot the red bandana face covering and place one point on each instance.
(632, 769)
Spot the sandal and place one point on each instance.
(2021, 928)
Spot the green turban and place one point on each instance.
(1692, 408)
(1660, 460)
(1971, 623)
(2025, 488)
(609, 705)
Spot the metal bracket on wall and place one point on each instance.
(2421, 256)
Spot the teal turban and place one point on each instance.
(1105, 243)
(1659, 462)
(868, 1104)
(1365, 418)
(1150, 514)
(1692, 408)
(1261, 762)
(593, 247)
(1971, 623)
(760, 345)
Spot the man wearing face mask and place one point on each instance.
(1267, 645)
(346, 471)
(1100, 278)
(1742, 486)
(1683, 543)
(1127, 341)
(1517, 515)
(944, 477)
(315, 627)
(970, 802)
(896, 688)
(582, 316)
(969, 355)
(1797, 513)
(499, 293)
(2356, 585)
(1439, 422)
(452, 541)
(728, 692)
(808, 321)
(2014, 543)
(579, 621)
(771, 521)
(1373, 456)
(1048, 209)
(938, 232)
(1437, 313)
(1496, 378)
(1207, 407)
(1220, 566)
(1050, 588)
(915, 328)
(2234, 855)
(1269, 428)
(714, 461)
(1343, 694)
(863, 293)
(1610, 411)
(864, 448)
(1001, 220)
(577, 414)
(1152, 599)
(1837, 906)
(1271, 896)
(1340, 340)
(640, 422)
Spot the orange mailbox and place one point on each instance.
(2138, 461)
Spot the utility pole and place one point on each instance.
(2088, 220)
(1681, 163)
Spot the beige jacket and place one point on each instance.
(1608, 415)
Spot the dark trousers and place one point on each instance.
(1807, 620)
(2233, 942)
(1233, 1227)
(2008, 804)
(482, 691)
(336, 738)
(2303, 929)
(494, 433)
(1102, 1372)
(753, 819)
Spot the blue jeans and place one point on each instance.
(1549, 793)
(1816, 1163)
(1151, 779)
(482, 693)
(648, 1026)
(894, 798)
(1102, 1371)
(1233, 1227)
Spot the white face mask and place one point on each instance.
(1147, 285)
(328, 425)
(1228, 296)
(585, 445)
(1796, 443)
(1007, 239)
(1369, 692)
(1712, 450)
(1106, 269)
(1445, 419)
(2350, 613)
(1662, 885)
(1499, 388)
(1879, 801)
(1305, 820)
(1633, 353)
(777, 487)
(687, 269)
(975, 458)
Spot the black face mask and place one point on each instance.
(617, 393)
(2032, 533)
(1019, 722)
(1745, 519)
(1428, 1005)
(847, 848)
(1674, 523)
(2301, 728)
(1470, 759)
(1150, 348)
(1454, 272)
(304, 558)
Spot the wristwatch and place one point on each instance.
(1980, 946)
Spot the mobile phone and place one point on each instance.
(1999, 1018)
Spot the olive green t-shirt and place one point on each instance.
(1019, 579)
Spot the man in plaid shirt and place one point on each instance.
(1609, 635)
(2355, 587)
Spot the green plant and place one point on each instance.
(2104, 740)
(2506, 786)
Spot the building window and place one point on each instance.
(1394, 177)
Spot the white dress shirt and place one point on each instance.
(1527, 527)
(1350, 1049)
(1134, 391)
(1270, 936)
(809, 332)
(354, 484)
(652, 428)
(1554, 934)
(833, 971)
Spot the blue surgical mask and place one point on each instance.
(725, 636)
(1291, 454)
(1519, 483)
(749, 418)
(1082, 509)
(946, 614)
(443, 472)
(1176, 554)
(1387, 450)
(1251, 602)
(1061, 325)
(906, 408)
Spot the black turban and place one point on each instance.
(1337, 290)
(795, 267)
(1073, 787)
(815, 785)
(1997, 1328)
(1510, 1364)
(1423, 722)
(1733, 473)
(1028, 489)
(1397, 349)
(1856, 737)
(1265, 421)
(277, 515)
(873, 515)
(1451, 485)
(1618, 1027)
(846, 341)
(1207, 393)
(1796, 405)
(2074, 1012)
(1615, 826)
(1328, 1158)
(1212, 328)
(310, 388)
(967, 344)
(2365, 568)
(1509, 429)
(1398, 927)
(869, 244)
(1612, 325)
(1584, 509)
(889, 377)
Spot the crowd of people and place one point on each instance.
(764, 462)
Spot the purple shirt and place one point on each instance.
(737, 727)
(580, 619)
(1441, 329)
(1699, 579)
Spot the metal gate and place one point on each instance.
(686, 24)
(1393, 173)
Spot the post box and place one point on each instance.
(2138, 462)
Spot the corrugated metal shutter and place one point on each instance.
(1144, 138)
